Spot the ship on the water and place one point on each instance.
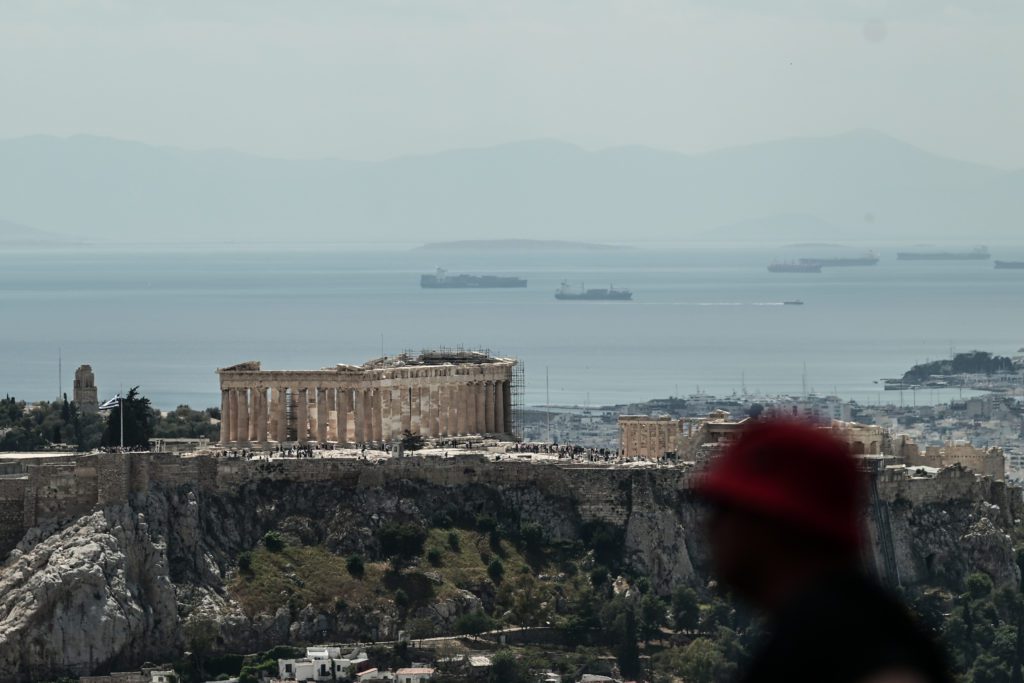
(442, 280)
(789, 267)
(793, 302)
(1009, 265)
(566, 292)
(869, 259)
(976, 254)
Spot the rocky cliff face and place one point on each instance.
(127, 583)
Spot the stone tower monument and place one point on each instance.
(85, 395)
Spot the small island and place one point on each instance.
(520, 245)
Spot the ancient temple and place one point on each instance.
(433, 394)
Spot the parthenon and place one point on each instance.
(434, 394)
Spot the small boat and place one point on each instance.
(793, 302)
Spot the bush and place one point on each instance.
(245, 562)
(598, 577)
(486, 524)
(401, 543)
(273, 542)
(496, 570)
(355, 567)
(453, 541)
(474, 623)
(434, 557)
(401, 599)
(531, 534)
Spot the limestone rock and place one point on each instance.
(96, 593)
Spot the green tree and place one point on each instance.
(653, 615)
(184, 422)
(701, 662)
(685, 609)
(138, 422)
(411, 442)
(507, 668)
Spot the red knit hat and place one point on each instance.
(793, 472)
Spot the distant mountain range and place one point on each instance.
(860, 185)
(15, 233)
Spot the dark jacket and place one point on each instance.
(844, 629)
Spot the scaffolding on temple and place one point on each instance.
(517, 387)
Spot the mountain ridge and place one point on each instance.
(95, 188)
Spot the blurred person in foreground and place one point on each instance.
(784, 531)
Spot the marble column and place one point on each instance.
(499, 407)
(243, 415)
(462, 408)
(225, 400)
(481, 408)
(282, 414)
(397, 401)
(273, 414)
(409, 407)
(321, 414)
(261, 415)
(343, 408)
(302, 416)
(443, 402)
(426, 408)
(415, 411)
(377, 414)
(506, 405)
(488, 390)
(384, 401)
(233, 415)
(359, 415)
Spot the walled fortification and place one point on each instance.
(136, 545)
(57, 490)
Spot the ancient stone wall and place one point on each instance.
(12, 510)
(58, 491)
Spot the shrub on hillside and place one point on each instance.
(355, 567)
(496, 570)
(273, 542)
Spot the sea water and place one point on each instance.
(164, 318)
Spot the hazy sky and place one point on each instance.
(370, 79)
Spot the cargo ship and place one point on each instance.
(565, 292)
(794, 268)
(442, 280)
(977, 254)
(869, 259)
(1009, 265)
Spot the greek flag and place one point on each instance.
(112, 403)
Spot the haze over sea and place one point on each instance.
(707, 317)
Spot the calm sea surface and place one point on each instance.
(707, 318)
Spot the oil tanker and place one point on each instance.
(977, 254)
(794, 268)
(442, 280)
(566, 293)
